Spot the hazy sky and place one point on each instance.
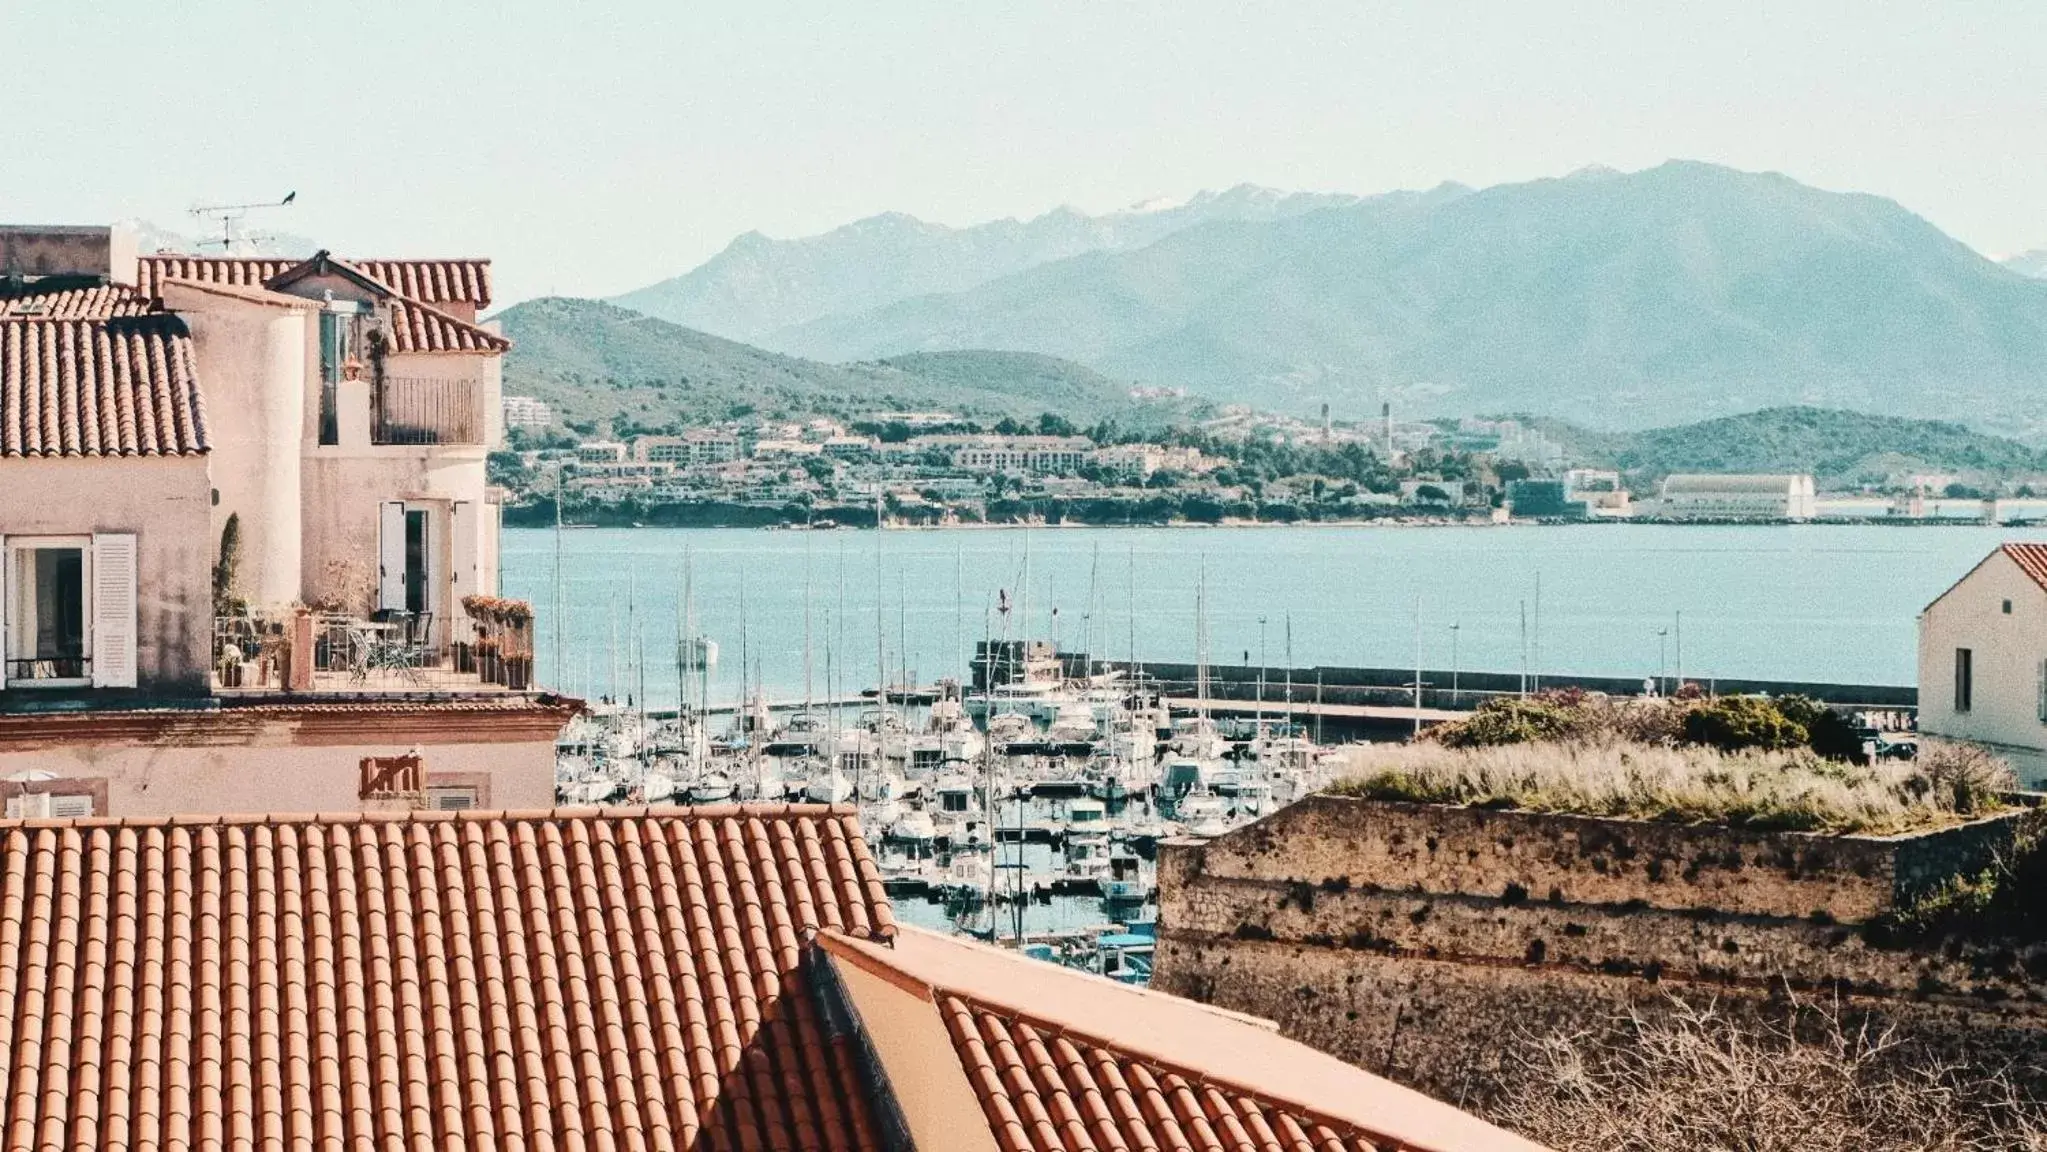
(591, 148)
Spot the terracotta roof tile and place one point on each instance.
(122, 386)
(1064, 1060)
(54, 299)
(242, 271)
(2031, 559)
(606, 979)
(417, 327)
(427, 281)
(434, 281)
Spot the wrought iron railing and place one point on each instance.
(409, 410)
(394, 652)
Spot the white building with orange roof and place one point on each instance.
(228, 477)
(1983, 659)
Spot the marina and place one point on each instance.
(1019, 794)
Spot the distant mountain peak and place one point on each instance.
(758, 285)
(2032, 263)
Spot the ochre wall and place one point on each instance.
(164, 501)
(240, 764)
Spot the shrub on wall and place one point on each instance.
(1732, 723)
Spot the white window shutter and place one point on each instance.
(462, 536)
(391, 555)
(113, 610)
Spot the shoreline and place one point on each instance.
(1376, 522)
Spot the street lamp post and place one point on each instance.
(1662, 661)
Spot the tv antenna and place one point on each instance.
(231, 216)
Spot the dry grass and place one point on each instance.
(1690, 1080)
(1790, 790)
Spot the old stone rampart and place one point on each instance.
(1432, 943)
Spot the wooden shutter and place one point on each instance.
(391, 555)
(462, 545)
(113, 610)
(6, 607)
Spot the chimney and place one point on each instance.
(1386, 419)
(32, 251)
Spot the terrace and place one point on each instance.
(486, 649)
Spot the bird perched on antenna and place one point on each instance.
(230, 214)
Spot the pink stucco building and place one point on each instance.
(332, 418)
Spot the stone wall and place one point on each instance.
(1432, 943)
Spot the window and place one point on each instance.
(1965, 679)
(2040, 705)
(461, 799)
(67, 611)
(2007, 607)
(35, 795)
(49, 805)
(46, 612)
(340, 331)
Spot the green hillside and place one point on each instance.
(1840, 448)
(596, 363)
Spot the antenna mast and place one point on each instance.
(230, 217)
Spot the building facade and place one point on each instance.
(232, 491)
(1983, 660)
(1712, 497)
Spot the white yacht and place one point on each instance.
(914, 827)
(711, 787)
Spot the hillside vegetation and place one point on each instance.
(1838, 447)
(598, 364)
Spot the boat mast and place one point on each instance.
(560, 670)
(807, 697)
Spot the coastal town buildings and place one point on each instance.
(1729, 497)
(1983, 660)
(527, 412)
(239, 490)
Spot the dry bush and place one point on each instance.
(1692, 1080)
(1786, 790)
(1964, 776)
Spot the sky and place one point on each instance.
(593, 148)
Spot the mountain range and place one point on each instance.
(1612, 299)
(757, 285)
(599, 365)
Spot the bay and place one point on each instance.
(1801, 602)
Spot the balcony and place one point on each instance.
(403, 411)
(487, 650)
(406, 410)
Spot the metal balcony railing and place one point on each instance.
(406, 410)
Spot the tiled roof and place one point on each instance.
(244, 271)
(1058, 1060)
(427, 281)
(2031, 559)
(594, 980)
(417, 327)
(68, 300)
(116, 387)
(1047, 1091)
(434, 281)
